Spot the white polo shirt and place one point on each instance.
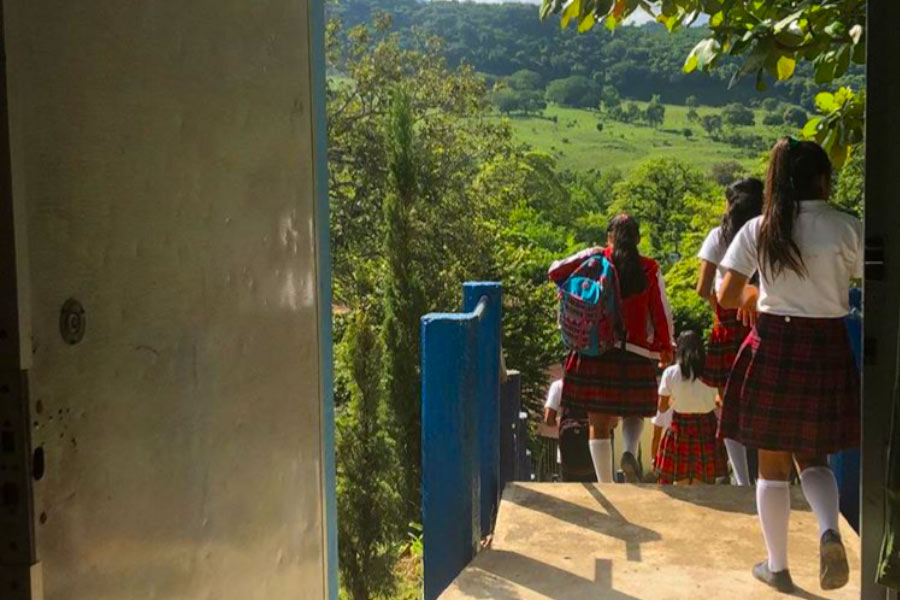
(686, 395)
(713, 251)
(554, 395)
(832, 247)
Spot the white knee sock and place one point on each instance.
(821, 491)
(601, 455)
(631, 434)
(773, 503)
(737, 456)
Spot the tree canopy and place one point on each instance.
(768, 38)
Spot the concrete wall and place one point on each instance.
(163, 165)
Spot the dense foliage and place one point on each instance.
(768, 39)
(638, 62)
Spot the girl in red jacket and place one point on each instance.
(622, 382)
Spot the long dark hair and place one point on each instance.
(690, 354)
(795, 172)
(625, 233)
(745, 201)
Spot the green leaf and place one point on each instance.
(785, 67)
(811, 128)
(587, 23)
(716, 19)
(825, 102)
(571, 12)
(690, 65)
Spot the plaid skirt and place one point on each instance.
(689, 450)
(617, 382)
(794, 388)
(724, 342)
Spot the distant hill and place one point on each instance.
(639, 61)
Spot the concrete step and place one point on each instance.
(569, 541)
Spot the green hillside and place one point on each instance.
(578, 146)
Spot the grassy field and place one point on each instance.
(578, 146)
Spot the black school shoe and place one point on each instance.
(834, 572)
(630, 468)
(781, 580)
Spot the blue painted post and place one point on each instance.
(450, 483)
(509, 428)
(846, 464)
(487, 369)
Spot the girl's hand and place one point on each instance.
(665, 358)
(747, 312)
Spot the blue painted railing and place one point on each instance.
(460, 432)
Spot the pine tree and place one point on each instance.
(403, 301)
(369, 506)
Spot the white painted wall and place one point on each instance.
(163, 171)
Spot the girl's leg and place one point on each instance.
(773, 503)
(737, 456)
(821, 491)
(600, 446)
(631, 438)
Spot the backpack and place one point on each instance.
(590, 315)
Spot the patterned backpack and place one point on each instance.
(590, 316)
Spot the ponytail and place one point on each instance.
(745, 201)
(795, 172)
(690, 354)
(625, 234)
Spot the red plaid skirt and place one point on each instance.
(794, 387)
(615, 383)
(689, 450)
(724, 342)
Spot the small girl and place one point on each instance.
(689, 452)
(743, 202)
(793, 391)
(622, 381)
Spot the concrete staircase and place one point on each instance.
(628, 542)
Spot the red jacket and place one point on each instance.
(648, 319)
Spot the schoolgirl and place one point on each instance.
(744, 199)
(793, 391)
(622, 381)
(689, 452)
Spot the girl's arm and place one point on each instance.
(663, 323)
(561, 269)
(663, 403)
(550, 417)
(736, 293)
(705, 280)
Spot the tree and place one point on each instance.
(403, 297)
(692, 115)
(770, 37)
(655, 114)
(508, 101)
(576, 91)
(688, 133)
(368, 502)
(600, 126)
(525, 79)
(795, 117)
(724, 173)
(691, 101)
(736, 114)
(656, 193)
(610, 99)
(712, 124)
(770, 104)
(773, 119)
